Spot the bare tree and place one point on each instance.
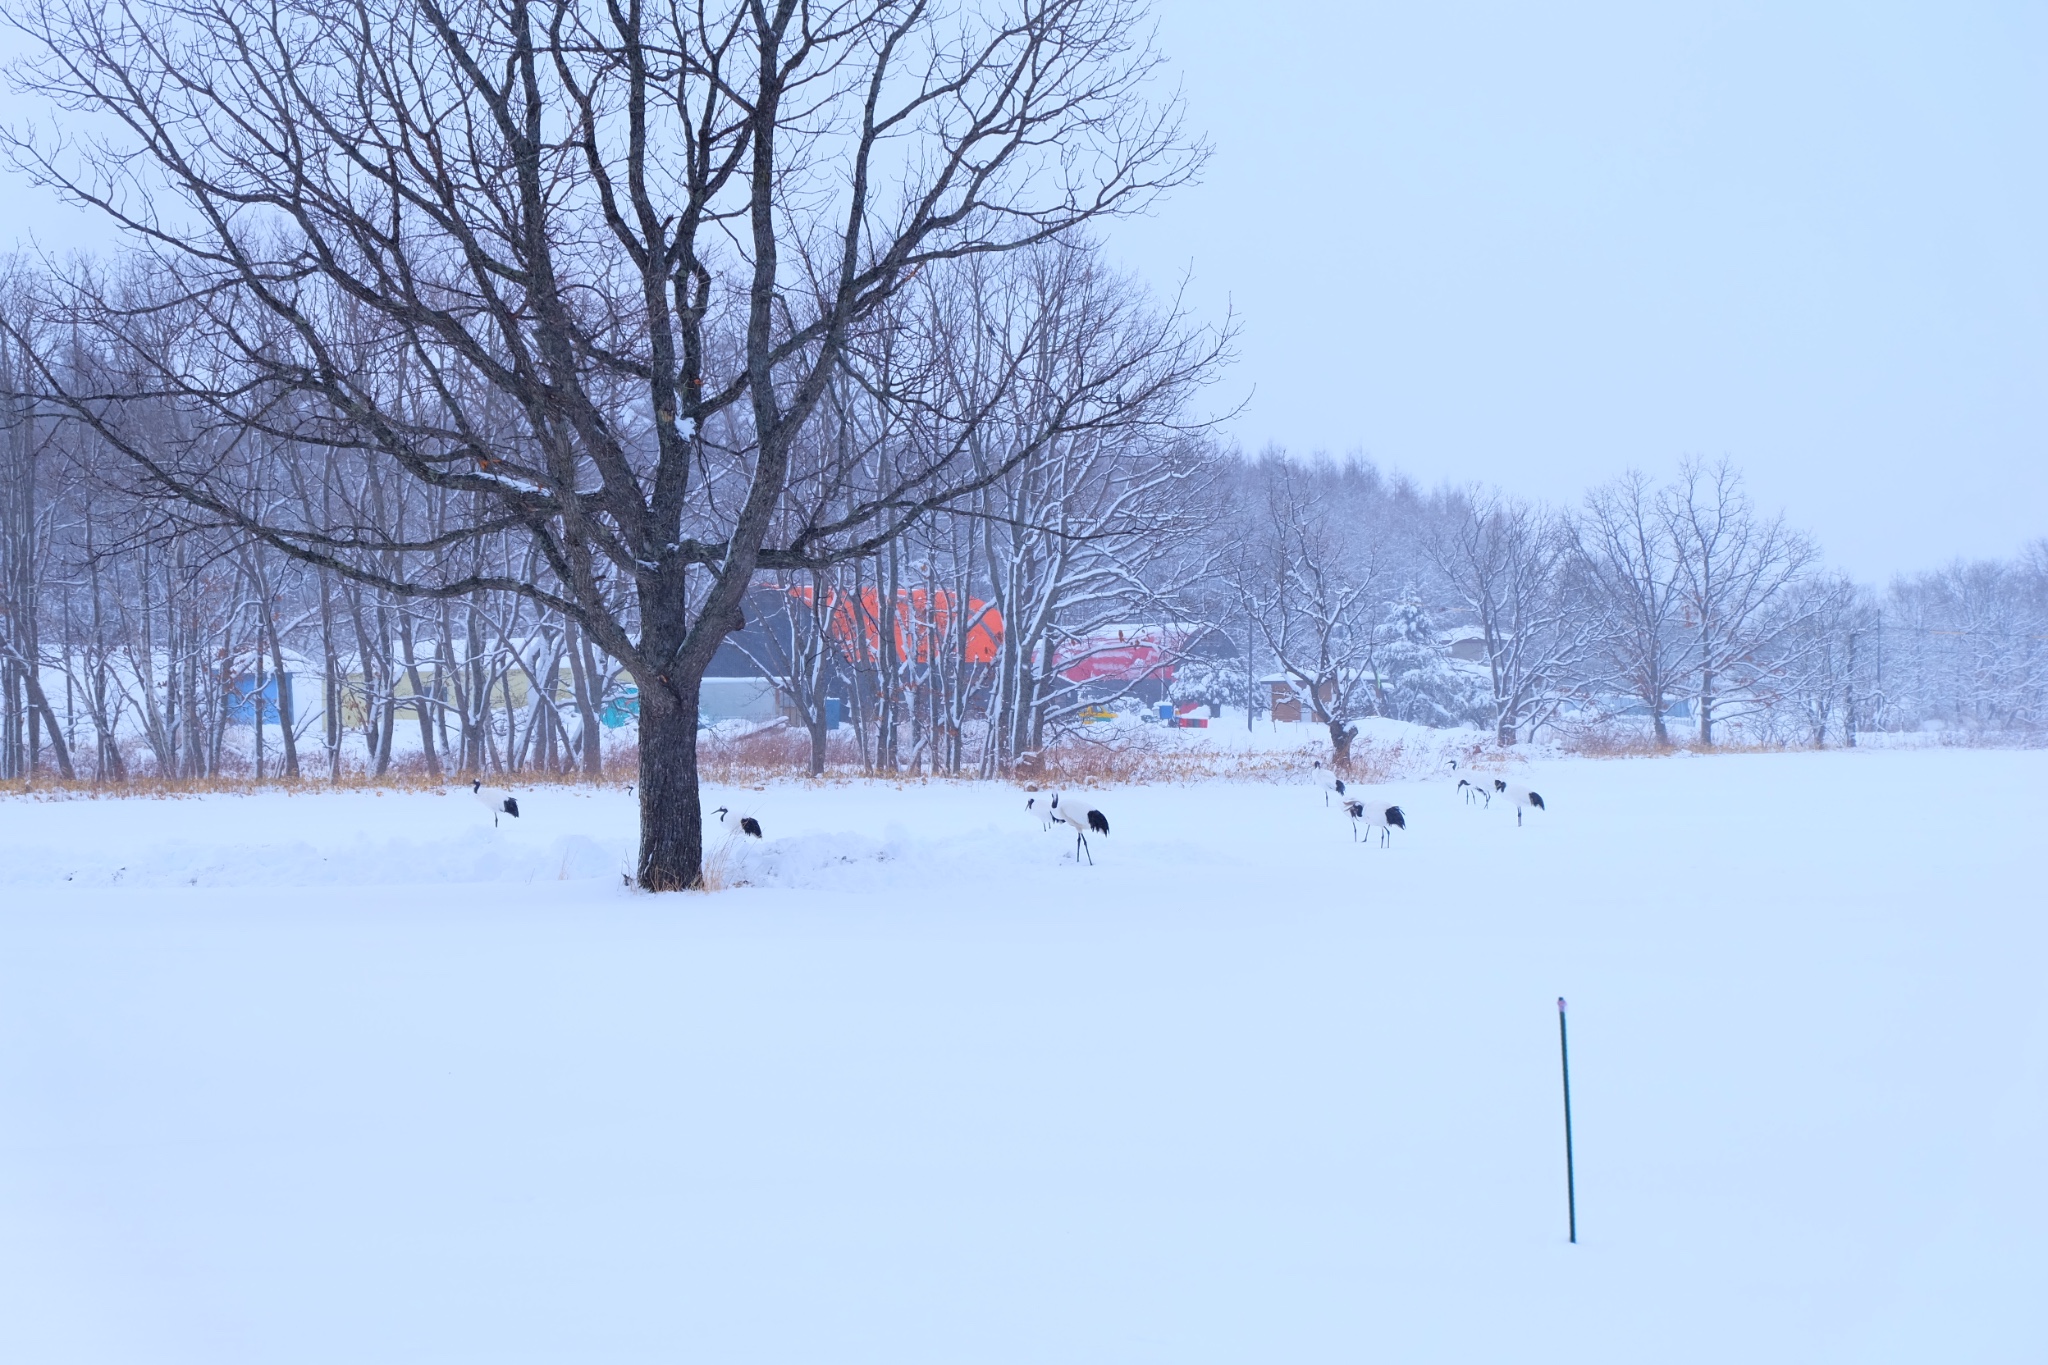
(592, 267)
(1808, 675)
(1507, 563)
(1736, 570)
(1071, 535)
(1632, 568)
(1317, 580)
(28, 723)
(1966, 646)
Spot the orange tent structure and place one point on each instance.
(924, 623)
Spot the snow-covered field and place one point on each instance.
(359, 1078)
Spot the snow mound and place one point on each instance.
(857, 862)
(478, 855)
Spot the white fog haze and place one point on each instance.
(1531, 245)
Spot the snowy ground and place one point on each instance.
(358, 1078)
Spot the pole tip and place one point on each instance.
(1560, 1004)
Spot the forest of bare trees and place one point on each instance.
(475, 372)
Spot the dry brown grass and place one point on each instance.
(770, 755)
(1610, 744)
(1614, 744)
(1118, 758)
(782, 756)
(720, 853)
(1137, 760)
(403, 775)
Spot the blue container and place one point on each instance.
(242, 701)
(621, 710)
(831, 713)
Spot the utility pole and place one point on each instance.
(1849, 695)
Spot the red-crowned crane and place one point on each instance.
(1521, 796)
(1083, 823)
(1385, 819)
(748, 824)
(496, 802)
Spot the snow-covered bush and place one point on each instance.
(1208, 681)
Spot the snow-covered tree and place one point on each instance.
(1417, 680)
(1313, 571)
(1737, 581)
(1510, 568)
(1631, 572)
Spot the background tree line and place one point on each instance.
(137, 638)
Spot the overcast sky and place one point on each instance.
(1531, 245)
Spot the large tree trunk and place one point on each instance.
(671, 808)
(1341, 736)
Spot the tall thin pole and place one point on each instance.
(1849, 694)
(1571, 1188)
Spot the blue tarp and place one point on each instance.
(242, 699)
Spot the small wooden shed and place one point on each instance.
(1286, 699)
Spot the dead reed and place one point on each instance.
(404, 774)
(1121, 757)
